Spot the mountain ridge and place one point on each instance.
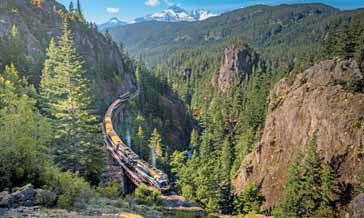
(172, 14)
(260, 25)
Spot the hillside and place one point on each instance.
(279, 32)
(316, 103)
(107, 67)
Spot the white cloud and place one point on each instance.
(152, 3)
(112, 10)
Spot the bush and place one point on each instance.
(147, 196)
(111, 190)
(250, 200)
(73, 191)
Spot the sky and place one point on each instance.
(100, 11)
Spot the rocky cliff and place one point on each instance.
(323, 100)
(107, 67)
(240, 61)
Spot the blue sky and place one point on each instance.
(100, 11)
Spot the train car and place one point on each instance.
(154, 177)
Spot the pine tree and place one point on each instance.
(155, 143)
(79, 12)
(141, 144)
(24, 133)
(291, 204)
(67, 97)
(226, 158)
(14, 51)
(249, 200)
(194, 140)
(71, 8)
(311, 179)
(327, 190)
(46, 83)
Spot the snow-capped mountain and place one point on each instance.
(113, 22)
(172, 14)
(176, 14)
(201, 14)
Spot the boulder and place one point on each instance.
(45, 197)
(27, 196)
(358, 206)
(5, 199)
(24, 196)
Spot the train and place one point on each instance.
(152, 177)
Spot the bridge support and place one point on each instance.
(114, 173)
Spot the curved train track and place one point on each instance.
(138, 171)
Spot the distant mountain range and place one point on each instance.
(172, 14)
(113, 22)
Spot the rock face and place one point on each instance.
(239, 63)
(358, 206)
(319, 101)
(27, 196)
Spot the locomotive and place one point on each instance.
(152, 176)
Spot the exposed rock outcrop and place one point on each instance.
(240, 61)
(319, 100)
(27, 196)
(358, 206)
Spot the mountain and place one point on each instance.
(176, 14)
(285, 29)
(113, 22)
(103, 59)
(202, 14)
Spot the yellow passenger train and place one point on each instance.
(153, 177)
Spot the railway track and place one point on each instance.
(137, 170)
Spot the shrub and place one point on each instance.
(147, 196)
(111, 190)
(73, 191)
(250, 200)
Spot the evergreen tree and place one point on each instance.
(310, 188)
(327, 191)
(249, 200)
(141, 144)
(71, 8)
(14, 51)
(226, 159)
(67, 98)
(194, 140)
(47, 81)
(79, 12)
(291, 204)
(311, 179)
(155, 143)
(24, 133)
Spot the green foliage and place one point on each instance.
(346, 38)
(13, 51)
(24, 133)
(310, 188)
(66, 98)
(73, 191)
(249, 200)
(229, 123)
(147, 196)
(301, 28)
(111, 190)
